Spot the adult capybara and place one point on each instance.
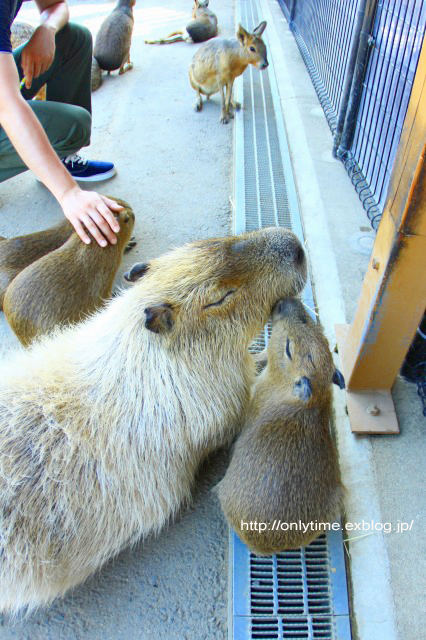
(17, 253)
(104, 424)
(67, 284)
(284, 468)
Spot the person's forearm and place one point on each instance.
(55, 17)
(31, 143)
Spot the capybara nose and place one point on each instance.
(283, 307)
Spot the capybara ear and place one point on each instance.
(159, 318)
(339, 379)
(303, 389)
(242, 34)
(260, 29)
(137, 271)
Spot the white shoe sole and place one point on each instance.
(97, 178)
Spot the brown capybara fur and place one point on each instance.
(218, 62)
(67, 284)
(113, 40)
(103, 424)
(284, 468)
(17, 253)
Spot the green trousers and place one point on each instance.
(66, 113)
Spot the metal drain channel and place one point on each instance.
(302, 593)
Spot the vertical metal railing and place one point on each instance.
(362, 56)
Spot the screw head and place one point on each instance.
(373, 410)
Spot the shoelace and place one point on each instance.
(75, 159)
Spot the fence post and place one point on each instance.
(363, 24)
(360, 52)
(393, 294)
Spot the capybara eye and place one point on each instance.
(253, 49)
(126, 219)
(300, 255)
(287, 349)
(217, 303)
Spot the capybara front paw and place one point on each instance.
(224, 118)
(198, 106)
(132, 243)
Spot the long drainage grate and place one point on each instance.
(300, 594)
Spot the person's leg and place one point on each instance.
(68, 78)
(68, 128)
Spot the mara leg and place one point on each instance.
(226, 100)
(199, 102)
(125, 67)
(236, 105)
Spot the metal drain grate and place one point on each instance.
(298, 594)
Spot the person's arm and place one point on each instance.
(28, 137)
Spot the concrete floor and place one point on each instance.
(174, 168)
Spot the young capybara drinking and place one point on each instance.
(17, 253)
(103, 424)
(67, 284)
(218, 62)
(284, 467)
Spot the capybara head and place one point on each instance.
(195, 287)
(126, 220)
(300, 351)
(254, 46)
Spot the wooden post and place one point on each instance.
(393, 294)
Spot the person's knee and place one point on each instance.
(83, 34)
(75, 36)
(82, 127)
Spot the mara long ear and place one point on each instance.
(339, 379)
(260, 29)
(137, 271)
(242, 34)
(159, 318)
(302, 389)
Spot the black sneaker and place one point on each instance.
(88, 170)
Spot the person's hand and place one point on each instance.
(38, 53)
(87, 210)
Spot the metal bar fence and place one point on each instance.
(331, 38)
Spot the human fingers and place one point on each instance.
(28, 73)
(104, 221)
(112, 204)
(80, 230)
(92, 227)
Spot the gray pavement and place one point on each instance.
(174, 167)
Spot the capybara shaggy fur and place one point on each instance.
(67, 284)
(17, 253)
(104, 424)
(284, 467)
